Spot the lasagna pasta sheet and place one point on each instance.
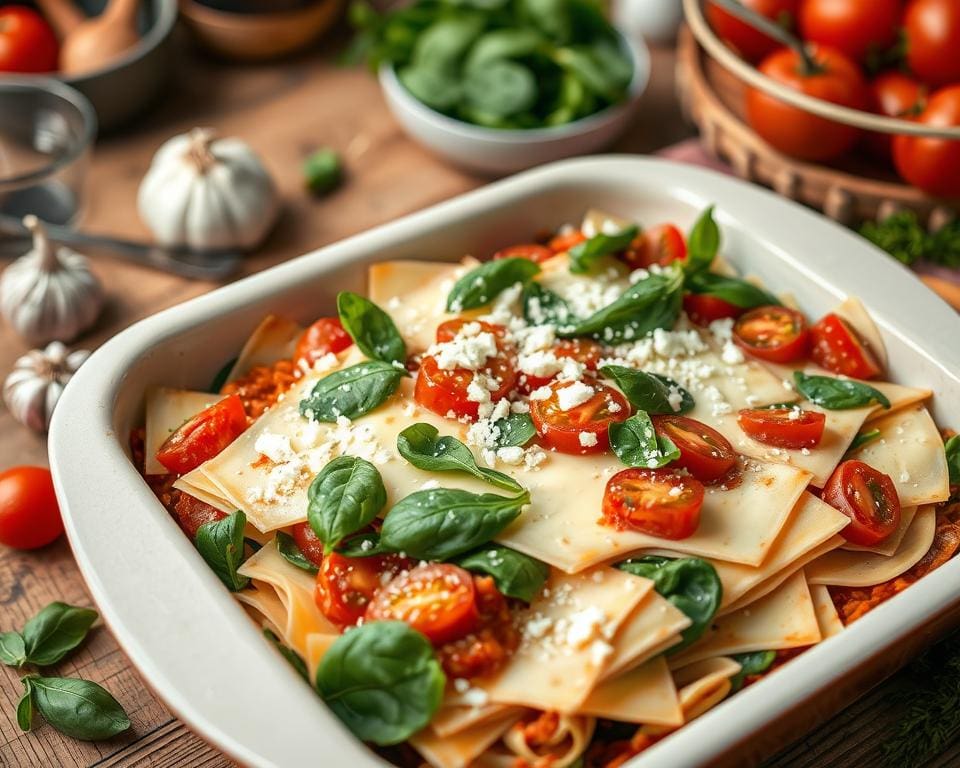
(167, 411)
(460, 749)
(645, 694)
(274, 339)
(827, 617)
(892, 543)
(857, 317)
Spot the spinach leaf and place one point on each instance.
(292, 657)
(352, 391)
(382, 680)
(78, 708)
(445, 42)
(515, 429)
(347, 495)
(837, 394)
(371, 328)
(55, 631)
(420, 445)
(516, 574)
(483, 284)
(649, 392)
(221, 377)
(25, 707)
(734, 291)
(702, 243)
(637, 444)
(752, 663)
(862, 439)
(441, 523)
(689, 583)
(13, 652)
(511, 43)
(439, 89)
(584, 255)
(500, 89)
(362, 545)
(952, 450)
(289, 551)
(220, 543)
(599, 66)
(541, 306)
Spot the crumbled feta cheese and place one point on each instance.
(573, 395)
(588, 439)
(512, 455)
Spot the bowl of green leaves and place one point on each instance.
(497, 86)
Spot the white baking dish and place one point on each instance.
(191, 640)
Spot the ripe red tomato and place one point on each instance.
(29, 514)
(894, 94)
(868, 497)
(484, 650)
(783, 427)
(308, 542)
(581, 429)
(346, 585)
(661, 245)
(794, 131)
(566, 241)
(932, 31)
(853, 27)
(27, 43)
(933, 165)
(704, 452)
(584, 351)
(703, 309)
(438, 600)
(326, 335)
(777, 334)
(533, 251)
(836, 347)
(204, 436)
(657, 502)
(752, 44)
(192, 513)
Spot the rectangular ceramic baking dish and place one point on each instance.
(193, 643)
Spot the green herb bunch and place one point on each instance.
(904, 238)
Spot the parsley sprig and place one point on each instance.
(907, 240)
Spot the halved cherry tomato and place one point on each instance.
(751, 43)
(658, 502)
(532, 251)
(777, 334)
(29, 514)
(326, 335)
(783, 427)
(704, 452)
(583, 428)
(192, 513)
(868, 497)
(703, 309)
(203, 436)
(448, 329)
(484, 650)
(566, 241)
(437, 599)
(836, 347)
(308, 542)
(853, 27)
(346, 585)
(660, 245)
(584, 351)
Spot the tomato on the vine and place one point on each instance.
(326, 335)
(751, 43)
(773, 333)
(658, 502)
(704, 452)
(661, 245)
(204, 436)
(27, 43)
(868, 497)
(785, 427)
(581, 428)
(834, 345)
(931, 164)
(932, 36)
(855, 28)
(29, 514)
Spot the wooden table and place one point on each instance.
(284, 111)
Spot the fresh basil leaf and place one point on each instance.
(752, 663)
(504, 44)
(12, 650)
(289, 551)
(483, 284)
(862, 439)
(347, 495)
(441, 523)
(362, 545)
(55, 631)
(220, 543)
(952, 450)
(649, 392)
(352, 391)
(255, 546)
(221, 378)
(25, 707)
(516, 574)
(732, 290)
(289, 654)
(689, 583)
(79, 709)
(702, 243)
(515, 430)
(420, 445)
(637, 444)
(382, 680)
(371, 328)
(837, 394)
(541, 306)
(584, 255)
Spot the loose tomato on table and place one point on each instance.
(751, 43)
(853, 27)
(29, 514)
(658, 502)
(783, 427)
(932, 40)
(660, 245)
(308, 542)
(868, 497)
(703, 309)
(204, 436)
(894, 94)
(27, 43)
(324, 336)
(534, 251)
(933, 165)
(582, 428)
(346, 585)
(584, 351)
(834, 345)
(192, 513)
(704, 452)
(776, 334)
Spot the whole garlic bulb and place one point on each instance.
(207, 194)
(49, 293)
(33, 388)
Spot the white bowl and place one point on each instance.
(494, 151)
(193, 643)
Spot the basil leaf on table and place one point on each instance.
(55, 631)
(292, 657)
(362, 545)
(352, 391)
(13, 653)
(837, 394)
(441, 523)
(220, 543)
(649, 392)
(690, 584)
(952, 450)
(420, 445)
(516, 574)
(483, 284)
(79, 709)
(752, 663)
(25, 707)
(515, 430)
(637, 444)
(541, 306)
(584, 255)
(371, 328)
(382, 680)
(289, 551)
(347, 495)
(732, 290)
(703, 243)
(862, 439)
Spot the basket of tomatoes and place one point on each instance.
(852, 106)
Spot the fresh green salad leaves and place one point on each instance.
(837, 394)
(584, 255)
(371, 328)
(650, 392)
(352, 391)
(483, 284)
(516, 574)
(346, 496)
(220, 543)
(637, 444)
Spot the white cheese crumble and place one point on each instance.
(588, 439)
(573, 395)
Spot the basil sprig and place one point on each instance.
(483, 284)
(637, 444)
(952, 449)
(649, 392)
(220, 543)
(382, 680)
(347, 495)
(362, 545)
(49, 636)
(421, 445)
(703, 243)
(514, 430)
(584, 255)
(837, 394)
(862, 439)
(541, 306)
(352, 391)
(292, 657)
(289, 551)
(516, 574)
(371, 328)
(732, 290)
(80, 709)
(690, 584)
(752, 663)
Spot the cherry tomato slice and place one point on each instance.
(203, 436)
(533, 251)
(836, 347)
(326, 335)
(582, 428)
(868, 497)
(661, 245)
(777, 334)
(657, 502)
(192, 513)
(346, 585)
(438, 600)
(703, 309)
(704, 452)
(783, 427)
(29, 514)
(566, 241)
(308, 542)
(448, 329)
(584, 351)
